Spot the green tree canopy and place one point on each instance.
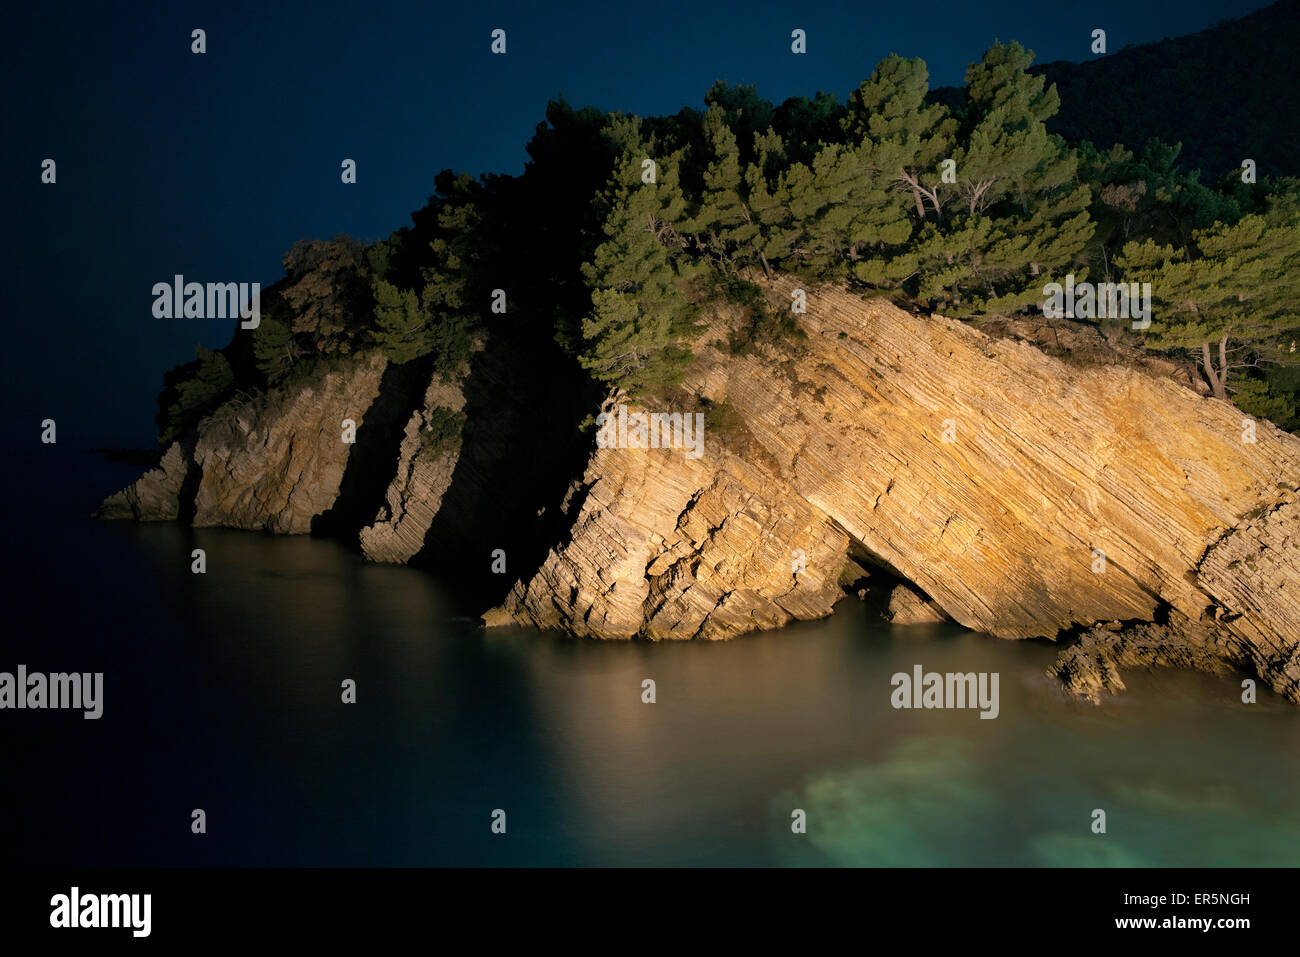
(1231, 295)
(636, 332)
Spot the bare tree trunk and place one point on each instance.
(1217, 381)
(933, 196)
(767, 270)
(915, 185)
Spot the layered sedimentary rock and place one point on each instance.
(669, 547)
(272, 463)
(1025, 496)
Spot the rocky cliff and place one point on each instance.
(271, 463)
(1026, 496)
(1020, 494)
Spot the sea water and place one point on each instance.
(223, 692)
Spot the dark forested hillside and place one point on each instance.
(1227, 93)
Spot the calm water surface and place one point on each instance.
(223, 693)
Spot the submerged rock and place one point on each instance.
(907, 606)
(1090, 666)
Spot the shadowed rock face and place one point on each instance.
(422, 476)
(1050, 467)
(377, 455)
(909, 607)
(1022, 495)
(519, 448)
(443, 470)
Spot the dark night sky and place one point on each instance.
(212, 165)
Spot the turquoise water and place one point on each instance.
(222, 692)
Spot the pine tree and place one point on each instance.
(195, 396)
(724, 226)
(807, 125)
(1231, 297)
(636, 335)
(905, 138)
(850, 218)
(403, 326)
(769, 200)
(326, 292)
(744, 112)
(1015, 212)
(1149, 195)
(898, 141)
(436, 315)
(274, 349)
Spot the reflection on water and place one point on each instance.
(223, 692)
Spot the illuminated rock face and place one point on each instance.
(279, 466)
(274, 463)
(1025, 496)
